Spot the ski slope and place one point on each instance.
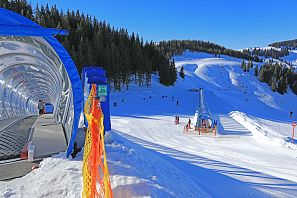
(245, 161)
(149, 156)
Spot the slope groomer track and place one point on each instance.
(263, 160)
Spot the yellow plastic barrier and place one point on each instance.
(94, 170)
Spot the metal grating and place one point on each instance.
(14, 137)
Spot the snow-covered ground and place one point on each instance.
(292, 58)
(253, 146)
(134, 171)
(150, 156)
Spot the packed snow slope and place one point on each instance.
(134, 172)
(149, 156)
(251, 157)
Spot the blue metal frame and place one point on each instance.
(96, 75)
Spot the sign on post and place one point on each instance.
(102, 90)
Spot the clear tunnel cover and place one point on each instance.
(31, 70)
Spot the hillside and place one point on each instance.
(289, 44)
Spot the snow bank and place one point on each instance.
(262, 132)
(56, 177)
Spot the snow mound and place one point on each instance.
(262, 132)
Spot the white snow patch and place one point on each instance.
(262, 132)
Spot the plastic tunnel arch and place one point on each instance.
(33, 66)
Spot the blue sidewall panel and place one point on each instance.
(106, 111)
(76, 86)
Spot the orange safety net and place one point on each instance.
(95, 171)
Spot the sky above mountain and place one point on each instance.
(232, 23)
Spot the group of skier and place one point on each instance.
(41, 107)
(205, 123)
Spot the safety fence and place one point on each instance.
(96, 182)
(200, 130)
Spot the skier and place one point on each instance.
(203, 123)
(189, 123)
(177, 103)
(176, 119)
(215, 123)
(291, 114)
(43, 107)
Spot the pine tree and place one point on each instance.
(262, 74)
(256, 71)
(181, 72)
(274, 85)
(250, 65)
(282, 86)
(243, 66)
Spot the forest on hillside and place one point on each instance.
(268, 53)
(290, 44)
(278, 76)
(125, 57)
(128, 59)
(176, 47)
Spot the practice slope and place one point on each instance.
(237, 162)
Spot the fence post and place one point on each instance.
(294, 124)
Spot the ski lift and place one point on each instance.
(203, 121)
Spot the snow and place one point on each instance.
(134, 171)
(291, 58)
(263, 132)
(56, 177)
(149, 156)
(146, 116)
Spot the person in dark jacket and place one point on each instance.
(40, 107)
(189, 123)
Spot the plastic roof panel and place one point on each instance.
(30, 67)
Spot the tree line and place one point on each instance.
(177, 47)
(125, 57)
(277, 75)
(273, 53)
(290, 44)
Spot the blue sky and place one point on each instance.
(233, 23)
